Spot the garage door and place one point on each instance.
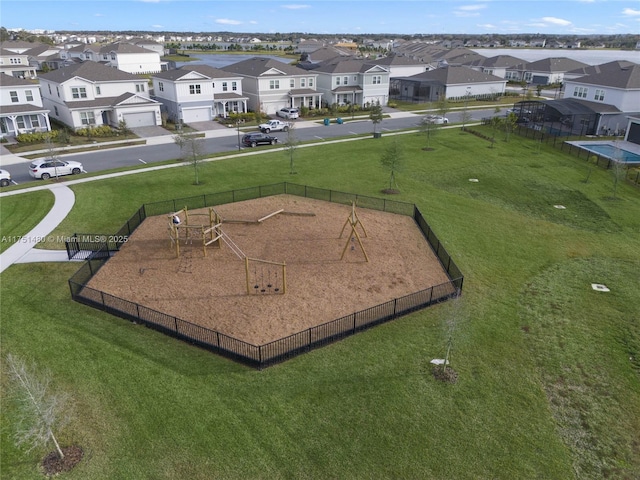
(196, 115)
(144, 119)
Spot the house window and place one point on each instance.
(225, 86)
(599, 96)
(161, 86)
(34, 121)
(113, 57)
(55, 109)
(98, 91)
(346, 80)
(303, 82)
(194, 89)
(105, 57)
(14, 97)
(49, 85)
(234, 86)
(580, 92)
(15, 61)
(140, 87)
(274, 84)
(376, 80)
(79, 92)
(337, 80)
(20, 122)
(87, 118)
(310, 81)
(29, 95)
(58, 91)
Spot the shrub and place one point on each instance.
(38, 137)
(101, 131)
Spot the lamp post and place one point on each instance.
(238, 131)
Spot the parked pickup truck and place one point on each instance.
(274, 126)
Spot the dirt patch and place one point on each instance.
(211, 290)
(52, 464)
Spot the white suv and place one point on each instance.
(45, 169)
(290, 113)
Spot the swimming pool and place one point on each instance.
(612, 152)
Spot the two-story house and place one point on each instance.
(614, 83)
(353, 81)
(121, 55)
(271, 85)
(91, 94)
(21, 109)
(198, 93)
(16, 64)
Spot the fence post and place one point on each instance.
(104, 306)
(395, 304)
(175, 322)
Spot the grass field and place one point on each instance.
(549, 369)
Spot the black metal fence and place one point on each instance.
(258, 356)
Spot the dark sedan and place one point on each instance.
(254, 139)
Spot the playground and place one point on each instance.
(263, 269)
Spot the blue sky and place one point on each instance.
(327, 16)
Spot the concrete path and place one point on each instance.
(23, 250)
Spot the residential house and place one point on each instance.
(451, 82)
(16, 64)
(121, 55)
(270, 85)
(198, 93)
(353, 81)
(45, 57)
(614, 83)
(311, 60)
(498, 65)
(21, 108)
(91, 94)
(548, 71)
(402, 66)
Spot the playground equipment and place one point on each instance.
(353, 221)
(209, 235)
(265, 277)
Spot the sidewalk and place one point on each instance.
(23, 250)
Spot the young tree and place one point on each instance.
(41, 411)
(53, 153)
(442, 106)
(496, 122)
(509, 124)
(376, 115)
(392, 160)
(429, 129)
(452, 322)
(290, 146)
(193, 148)
(618, 170)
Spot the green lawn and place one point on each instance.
(549, 369)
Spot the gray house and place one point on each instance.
(452, 82)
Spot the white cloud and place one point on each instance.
(471, 8)
(556, 21)
(487, 26)
(468, 10)
(295, 7)
(228, 21)
(630, 12)
(157, 26)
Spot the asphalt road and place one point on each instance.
(97, 161)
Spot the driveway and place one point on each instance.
(153, 131)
